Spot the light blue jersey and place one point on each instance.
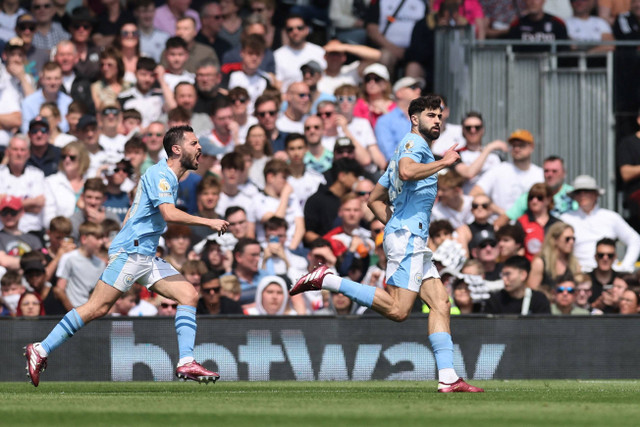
(145, 225)
(412, 200)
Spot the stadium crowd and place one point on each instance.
(298, 108)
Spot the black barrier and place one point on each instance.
(327, 348)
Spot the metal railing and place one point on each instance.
(564, 98)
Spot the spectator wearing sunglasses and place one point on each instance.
(476, 159)
(13, 242)
(117, 200)
(376, 99)
(482, 214)
(48, 33)
(36, 57)
(556, 261)
(592, 223)
(152, 40)
(289, 58)
(564, 300)
(81, 26)
(338, 72)
(266, 110)
(298, 98)
(484, 248)
(44, 155)
(537, 219)
(603, 275)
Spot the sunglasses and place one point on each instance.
(41, 129)
(264, 114)
(113, 111)
(135, 33)
(569, 289)
(166, 305)
(303, 95)
(25, 27)
(9, 212)
(291, 29)
(116, 170)
(363, 193)
(315, 127)
(469, 128)
(326, 114)
(42, 6)
(150, 134)
(258, 9)
(373, 77)
(241, 100)
(343, 98)
(602, 255)
(377, 230)
(83, 26)
(71, 157)
(537, 197)
(569, 239)
(489, 243)
(480, 205)
(215, 290)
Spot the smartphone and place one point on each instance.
(274, 239)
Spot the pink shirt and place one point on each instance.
(166, 21)
(470, 9)
(361, 109)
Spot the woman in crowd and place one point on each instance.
(128, 42)
(556, 261)
(266, 9)
(50, 111)
(272, 298)
(111, 82)
(376, 99)
(63, 189)
(537, 219)
(30, 305)
(260, 143)
(232, 22)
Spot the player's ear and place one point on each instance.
(414, 120)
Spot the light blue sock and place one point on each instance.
(442, 345)
(69, 325)
(362, 294)
(186, 329)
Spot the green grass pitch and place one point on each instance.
(370, 404)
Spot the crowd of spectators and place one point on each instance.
(298, 109)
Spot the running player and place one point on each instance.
(409, 185)
(132, 259)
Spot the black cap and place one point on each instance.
(32, 265)
(82, 14)
(39, 120)
(343, 144)
(481, 237)
(86, 120)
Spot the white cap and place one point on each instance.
(377, 69)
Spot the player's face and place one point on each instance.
(429, 122)
(191, 151)
(272, 298)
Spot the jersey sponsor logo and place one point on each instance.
(163, 185)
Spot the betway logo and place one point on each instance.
(259, 353)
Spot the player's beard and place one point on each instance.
(190, 163)
(430, 134)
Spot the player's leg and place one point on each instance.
(166, 281)
(100, 301)
(435, 295)
(404, 274)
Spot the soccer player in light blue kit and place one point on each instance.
(402, 199)
(132, 258)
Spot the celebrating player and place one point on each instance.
(132, 259)
(410, 186)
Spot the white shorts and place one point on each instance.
(124, 269)
(408, 260)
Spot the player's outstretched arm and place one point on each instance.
(378, 203)
(174, 215)
(410, 170)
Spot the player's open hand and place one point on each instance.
(219, 225)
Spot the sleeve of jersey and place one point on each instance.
(384, 179)
(158, 189)
(415, 151)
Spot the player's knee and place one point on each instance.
(398, 315)
(189, 296)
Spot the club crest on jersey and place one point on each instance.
(163, 185)
(408, 146)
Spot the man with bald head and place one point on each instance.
(299, 103)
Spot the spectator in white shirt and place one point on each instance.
(299, 103)
(592, 223)
(452, 204)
